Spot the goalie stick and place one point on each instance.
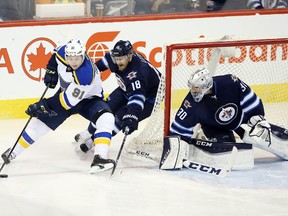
(209, 146)
(217, 147)
(5, 175)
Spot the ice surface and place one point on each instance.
(48, 179)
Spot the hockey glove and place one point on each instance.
(51, 78)
(258, 121)
(40, 108)
(131, 122)
(260, 128)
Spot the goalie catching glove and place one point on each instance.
(260, 128)
(266, 136)
(40, 108)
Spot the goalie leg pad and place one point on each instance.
(174, 152)
(279, 132)
(279, 141)
(243, 161)
(274, 141)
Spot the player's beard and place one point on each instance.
(121, 67)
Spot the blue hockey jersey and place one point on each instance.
(139, 81)
(232, 103)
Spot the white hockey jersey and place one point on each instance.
(85, 82)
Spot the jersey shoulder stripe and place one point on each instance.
(60, 55)
(85, 75)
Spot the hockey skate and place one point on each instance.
(83, 136)
(100, 164)
(5, 155)
(83, 150)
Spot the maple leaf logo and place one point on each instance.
(34, 59)
(39, 60)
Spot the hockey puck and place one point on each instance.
(3, 176)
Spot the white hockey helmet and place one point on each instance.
(199, 83)
(75, 48)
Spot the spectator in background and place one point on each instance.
(143, 6)
(16, 9)
(44, 1)
(215, 5)
(172, 6)
(57, 1)
(262, 4)
(176, 6)
(235, 5)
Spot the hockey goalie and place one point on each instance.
(213, 113)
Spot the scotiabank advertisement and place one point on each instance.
(23, 62)
(25, 51)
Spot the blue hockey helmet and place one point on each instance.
(122, 48)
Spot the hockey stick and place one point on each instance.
(5, 175)
(209, 146)
(120, 150)
(217, 147)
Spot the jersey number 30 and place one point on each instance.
(181, 114)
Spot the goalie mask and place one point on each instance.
(199, 83)
(75, 53)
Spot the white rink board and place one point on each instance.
(151, 35)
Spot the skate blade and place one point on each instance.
(98, 169)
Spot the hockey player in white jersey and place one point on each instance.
(81, 93)
(223, 106)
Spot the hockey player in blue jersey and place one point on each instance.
(81, 93)
(134, 99)
(222, 106)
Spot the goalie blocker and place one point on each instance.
(177, 153)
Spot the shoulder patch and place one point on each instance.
(132, 75)
(187, 104)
